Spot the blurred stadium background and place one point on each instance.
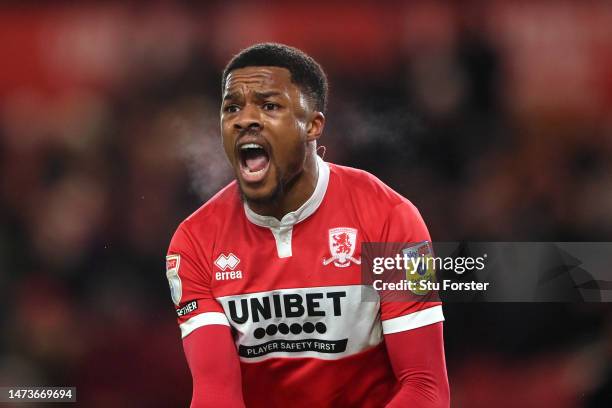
(494, 118)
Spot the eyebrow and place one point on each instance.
(264, 95)
(231, 95)
(258, 95)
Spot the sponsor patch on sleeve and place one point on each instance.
(422, 268)
(172, 267)
(188, 308)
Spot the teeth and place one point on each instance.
(255, 172)
(250, 146)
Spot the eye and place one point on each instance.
(231, 109)
(269, 106)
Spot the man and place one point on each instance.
(266, 276)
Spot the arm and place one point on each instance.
(205, 330)
(417, 358)
(215, 369)
(413, 328)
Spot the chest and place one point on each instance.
(315, 253)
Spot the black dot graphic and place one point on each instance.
(271, 330)
(259, 333)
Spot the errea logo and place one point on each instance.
(224, 262)
(227, 263)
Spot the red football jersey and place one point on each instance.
(307, 331)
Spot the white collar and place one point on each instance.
(305, 211)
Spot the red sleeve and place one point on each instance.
(417, 358)
(207, 338)
(215, 368)
(405, 225)
(188, 273)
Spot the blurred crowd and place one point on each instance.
(493, 118)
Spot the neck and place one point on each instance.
(296, 192)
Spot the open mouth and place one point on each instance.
(254, 162)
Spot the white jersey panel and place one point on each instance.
(328, 323)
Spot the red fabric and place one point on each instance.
(344, 362)
(417, 358)
(211, 355)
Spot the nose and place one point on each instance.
(248, 118)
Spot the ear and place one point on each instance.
(315, 126)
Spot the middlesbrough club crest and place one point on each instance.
(342, 243)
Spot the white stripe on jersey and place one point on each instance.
(414, 320)
(203, 319)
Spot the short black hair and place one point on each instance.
(305, 72)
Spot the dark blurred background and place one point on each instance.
(494, 118)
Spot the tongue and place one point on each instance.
(256, 162)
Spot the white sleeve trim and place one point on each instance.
(414, 320)
(203, 319)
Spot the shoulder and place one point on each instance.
(383, 213)
(367, 188)
(209, 218)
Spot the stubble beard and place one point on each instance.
(274, 198)
(271, 199)
(284, 183)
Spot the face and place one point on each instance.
(266, 124)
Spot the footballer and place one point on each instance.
(265, 276)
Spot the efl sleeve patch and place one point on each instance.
(421, 269)
(172, 268)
